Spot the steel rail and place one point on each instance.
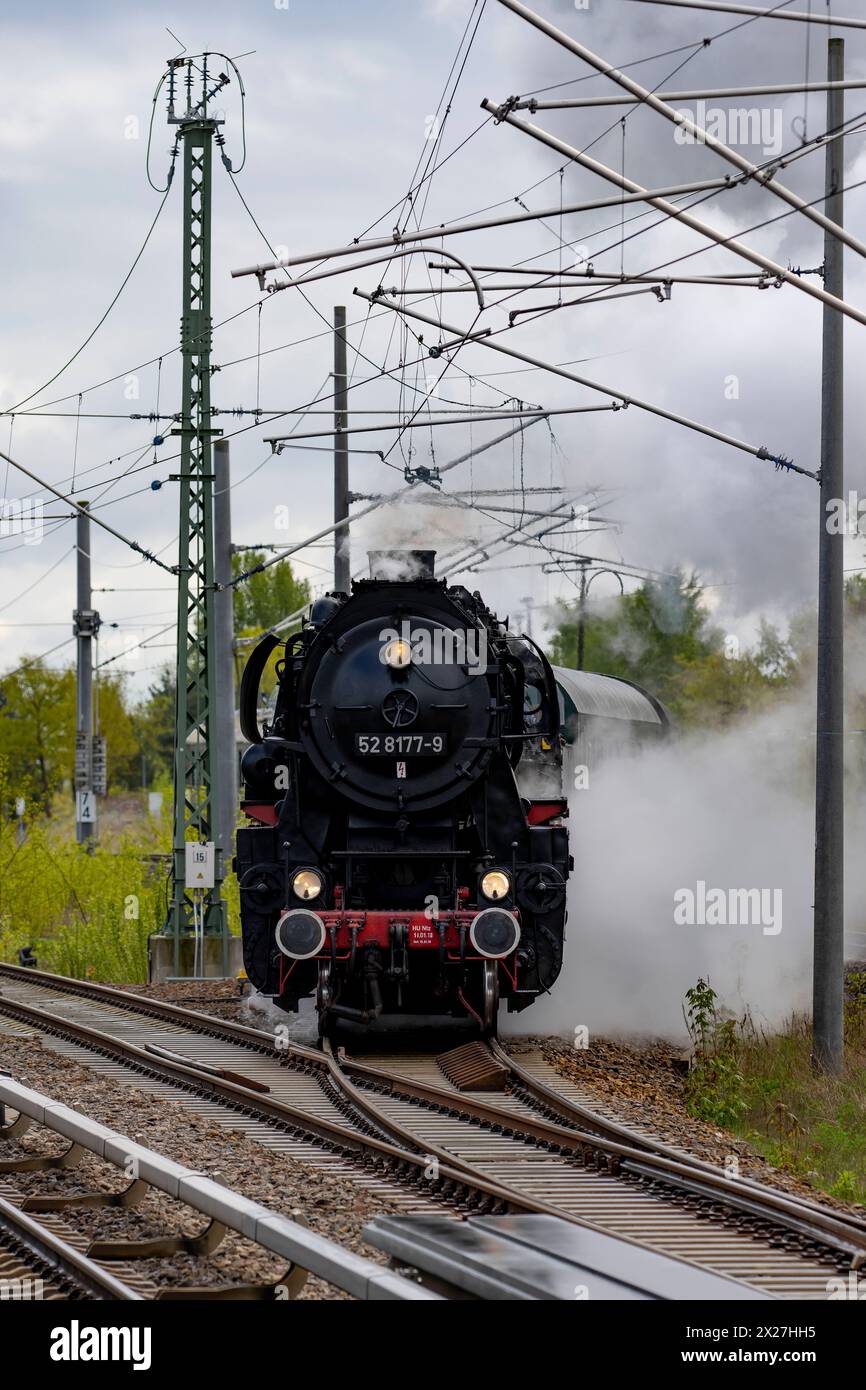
(304, 1250)
(357, 1144)
(584, 1132)
(593, 1125)
(456, 1180)
(446, 1177)
(659, 1162)
(547, 1098)
(46, 1248)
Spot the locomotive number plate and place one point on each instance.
(404, 745)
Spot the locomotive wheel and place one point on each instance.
(490, 998)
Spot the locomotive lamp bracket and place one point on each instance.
(287, 870)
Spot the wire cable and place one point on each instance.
(92, 334)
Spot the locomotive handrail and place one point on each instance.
(250, 681)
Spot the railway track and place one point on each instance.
(399, 1125)
(37, 1262)
(63, 1216)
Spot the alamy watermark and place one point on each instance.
(439, 646)
(845, 515)
(22, 516)
(77, 1343)
(729, 907)
(21, 1289)
(760, 126)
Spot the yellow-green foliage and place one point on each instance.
(86, 913)
(803, 1121)
(764, 1088)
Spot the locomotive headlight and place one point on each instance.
(307, 884)
(397, 654)
(494, 933)
(300, 934)
(495, 885)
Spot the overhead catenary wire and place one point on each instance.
(36, 660)
(374, 505)
(28, 588)
(540, 367)
(758, 451)
(777, 12)
(92, 334)
(625, 65)
(679, 118)
(145, 642)
(678, 214)
(63, 497)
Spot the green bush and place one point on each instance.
(714, 1088)
(87, 911)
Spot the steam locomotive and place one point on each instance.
(407, 853)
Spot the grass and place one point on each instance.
(802, 1121)
(88, 913)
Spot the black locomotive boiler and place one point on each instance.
(408, 852)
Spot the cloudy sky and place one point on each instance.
(341, 101)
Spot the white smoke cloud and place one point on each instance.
(733, 809)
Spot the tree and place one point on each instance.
(266, 597)
(38, 720)
(264, 600)
(117, 726)
(649, 636)
(37, 730)
(154, 722)
(661, 637)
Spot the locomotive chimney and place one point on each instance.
(402, 564)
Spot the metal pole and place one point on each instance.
(719, 7)
(581, 619)
(342, 567)
(757, 451)
(693, 94)
(829, 963)
(458, 228)
(196, 792)
(603, 281)
(750, 279)
(729, 243)
(761, 175)
(277, 441)
(224, 703)
(85, 622)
